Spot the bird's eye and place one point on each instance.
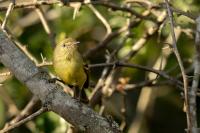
(64, 45)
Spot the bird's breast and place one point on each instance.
(70, 70)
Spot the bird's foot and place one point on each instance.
(53, 80)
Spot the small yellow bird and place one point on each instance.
(69, 66)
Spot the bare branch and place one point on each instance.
(17, 124)
(123, 8)
(121, 64)
(26, 111)
(195, 82)
(46, 26)
(31, 4)
(109, 38)
(101, 18)
(22, 114)
(185, 80)
(10, 8)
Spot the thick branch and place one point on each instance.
(51, 94)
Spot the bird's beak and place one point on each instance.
(76, 43)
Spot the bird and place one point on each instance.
(70, 68)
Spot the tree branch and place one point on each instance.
(195, 82)
(19, 123)
(122, 64)
(185, 80)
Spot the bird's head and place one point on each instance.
(68, 43)
(66, 47)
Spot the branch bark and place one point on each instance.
(195, 82)
(51, 95)
(178, 57)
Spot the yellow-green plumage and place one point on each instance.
(68, 63)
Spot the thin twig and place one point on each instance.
(102, 3)
(139, 85)
(27, 110)
(110, 37)
(140, 43)
(97, 93)
(12, 108)
(10, 8)
(121, 64)
(187, 14)
(101, 18)
(5, 73)
(143, 2)
(28, 54)
(46, 25)
(32, 4)
(17, 124)
(123, 8)
(153, 5)
(106, 4)
(185, 80)
(24, 113)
